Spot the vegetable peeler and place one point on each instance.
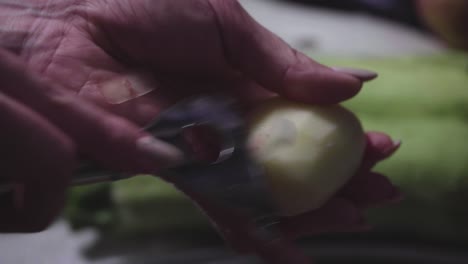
(232, 180)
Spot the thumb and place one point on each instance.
(107, 139)
(267, 59)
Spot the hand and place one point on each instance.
(135, 58)
(42, 125)
(342, 213)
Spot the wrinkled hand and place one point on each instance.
(108, 67)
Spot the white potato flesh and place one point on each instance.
(308, 152)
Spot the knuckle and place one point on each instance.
(117, 129)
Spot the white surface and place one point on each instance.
(332, 33)
(338, 33)
(57, 245)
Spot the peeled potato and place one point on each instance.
(308, 152)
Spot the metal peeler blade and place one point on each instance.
(233, 180)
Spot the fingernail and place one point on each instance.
(361, 74)
(396, 145)
(163, 153)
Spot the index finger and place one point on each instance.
(266, 58)
(37, 167)
(112, 141)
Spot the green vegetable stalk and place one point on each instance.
(421, 100)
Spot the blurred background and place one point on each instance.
(421, 97)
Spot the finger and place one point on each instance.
(249, 93)
(240, 234)
(343, 213)
(367, 188)
(266, 58)
(128, 100)
(336, 215)
(110, 140)
(37, 161)
(371, 190)
(379, 146)
(134, 94)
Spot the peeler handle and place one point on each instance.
(89, 173)
(212, 111)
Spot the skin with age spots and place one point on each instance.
(83, 56)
